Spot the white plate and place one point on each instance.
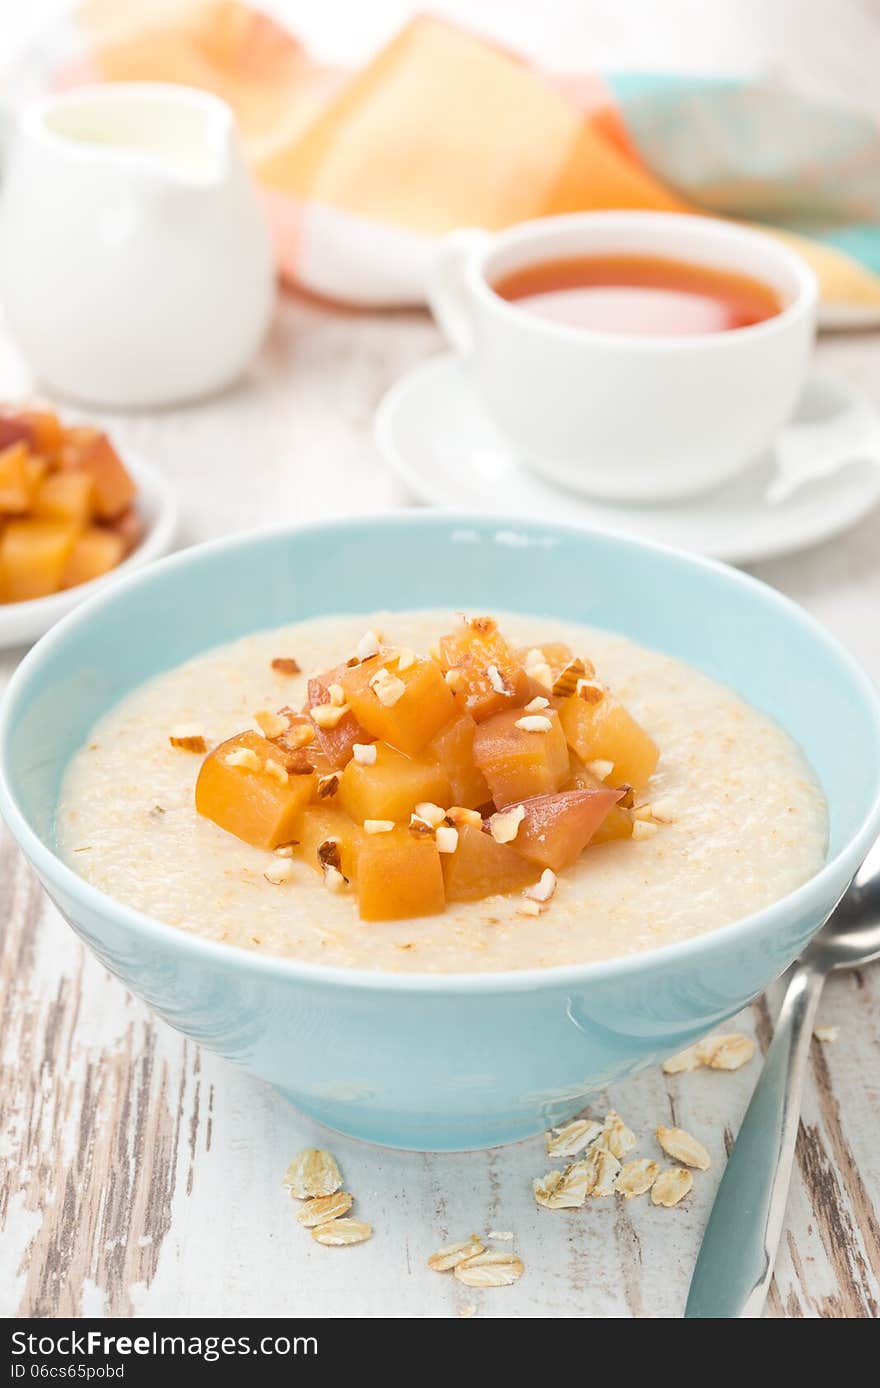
(432, 429)
(23, 622)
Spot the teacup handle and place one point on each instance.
(448, 296)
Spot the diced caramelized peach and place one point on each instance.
(95, 552)
(557, 828)
(93, 452)
(399, 875)
(405, 718)
(46, 430)
(519, 763)
(237, 791)
(490, 674)
(392, 786)
(16, 490)
(336, 743)
(453, 749)
(16, 428)
(33, 557)
(481, 867)
(321, 824)
(617, 823)
(66, 496)
(599, 728)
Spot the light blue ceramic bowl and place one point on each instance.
(460, 1060)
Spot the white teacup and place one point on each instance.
(632, 418)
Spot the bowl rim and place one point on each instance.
(53, 870)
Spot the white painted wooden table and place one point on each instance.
(141, 1176)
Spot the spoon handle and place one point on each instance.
(739, 1246)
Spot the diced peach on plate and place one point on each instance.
(403, 701)
(521, 754)
(93, 452)
(16, 480)
(480, 867)
(95, 552)
(399, 875)
(66, 496)
(598, 728)
(33, 557)
(391, 786)
(245, 788)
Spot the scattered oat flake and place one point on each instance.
(454, 1253)
(683, 1147)
(636, 1177)
(502, 1235)
(671, 1186)
(726, 1052)
(572, 1138)
(286, 665)
(568, 1189)
(616, 1137)
(545, 1186)
(607, 1167)
(313, 1172)
(336, 1233)
(324, 1208)
(826, 1033)
(683, 1061)
(494, 1268)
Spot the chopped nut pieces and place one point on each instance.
(378, 826)
(328, 716)
(337, 695)
(280, 872)
(600, 769)
(663, 810)
(591, 691)
(338, 1232)
(826, 1033)
(329, 854)
(494, 677)
(566, 681)
(542, 890)
(537, 705)
(188, 739)
(243, 756)
(726, 1052)
(271, 724)
(405, 658)
(364, 753)
(431, 814)
(636, 1177)
(534, 723)
(286, 665)
(387, 688)
(447, 839)
(334, 880)
(368, 645)
(458, 815)
(493, 1268)
(455, 679)
(504, 825)
(681, 1146)
(454, 1253)
(274, 769)
(313, 1172)
(671, 1186)
(571, 1139)
(529, 908)
(324, 1208)
(327, 785)
(643, 829)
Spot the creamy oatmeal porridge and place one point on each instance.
(730, 820)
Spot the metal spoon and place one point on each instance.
(735, 1264)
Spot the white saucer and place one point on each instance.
(432, 429)
(23, 622)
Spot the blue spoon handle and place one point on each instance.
(735, 1264)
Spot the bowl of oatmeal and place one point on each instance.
(441, 824)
